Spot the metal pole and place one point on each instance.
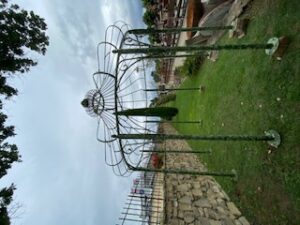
(173, 89)
(168, 56)
(164, 112)
(176, 151)
(133, 204)
(147, 198)
(176, 30)
(164, 50)
(134, 200)
(150, 184)
(135, 214)
(194, 137)
(162, 121)
(143, 197)
(131, 214)
(141, 209)
(148, 180)
(143, 221)
(137, 200)
(136, 195)
(189, 172)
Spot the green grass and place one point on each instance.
(247, 92)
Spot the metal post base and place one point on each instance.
(277, 139)
(236, 177)
(275, 42)
(280, 45)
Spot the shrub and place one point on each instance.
(149, 18)
(157, 161)
(163, 99)
(192, 65)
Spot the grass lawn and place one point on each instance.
(247, 92)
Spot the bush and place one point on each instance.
(155, 76)
(157, 161)
(192, 65)
(154, 38)
(149, 18)
(163, 99)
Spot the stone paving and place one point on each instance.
(195, 200)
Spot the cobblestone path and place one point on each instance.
(195, 200)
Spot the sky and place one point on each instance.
(63, 178)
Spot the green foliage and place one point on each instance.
(153, 101)
(8, 155)
(157, 65)
(149, 18)
(8, 152)
(148, 2)
(21, 31)
(192, 65)
(6, 89)
(155, 76)
(163, 99)
(154, 38)
(163, 112)
(6, 197)
(156, 72)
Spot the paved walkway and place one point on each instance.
(195, 200)
(235, 11)
(179, 61)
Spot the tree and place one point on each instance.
(6, 197)
(20, 31)
(149, 18)
(155, 76)
(5, 89)
(154, 38)
(165, 98)
(8, 152)
(8, 155)
(153, 101)
(147, 3)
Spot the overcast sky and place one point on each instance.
(63, 179)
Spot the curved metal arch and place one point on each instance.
(101, 140)
(116, 115)
(101, 73)
(119, 82)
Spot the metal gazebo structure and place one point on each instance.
(122, 95)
